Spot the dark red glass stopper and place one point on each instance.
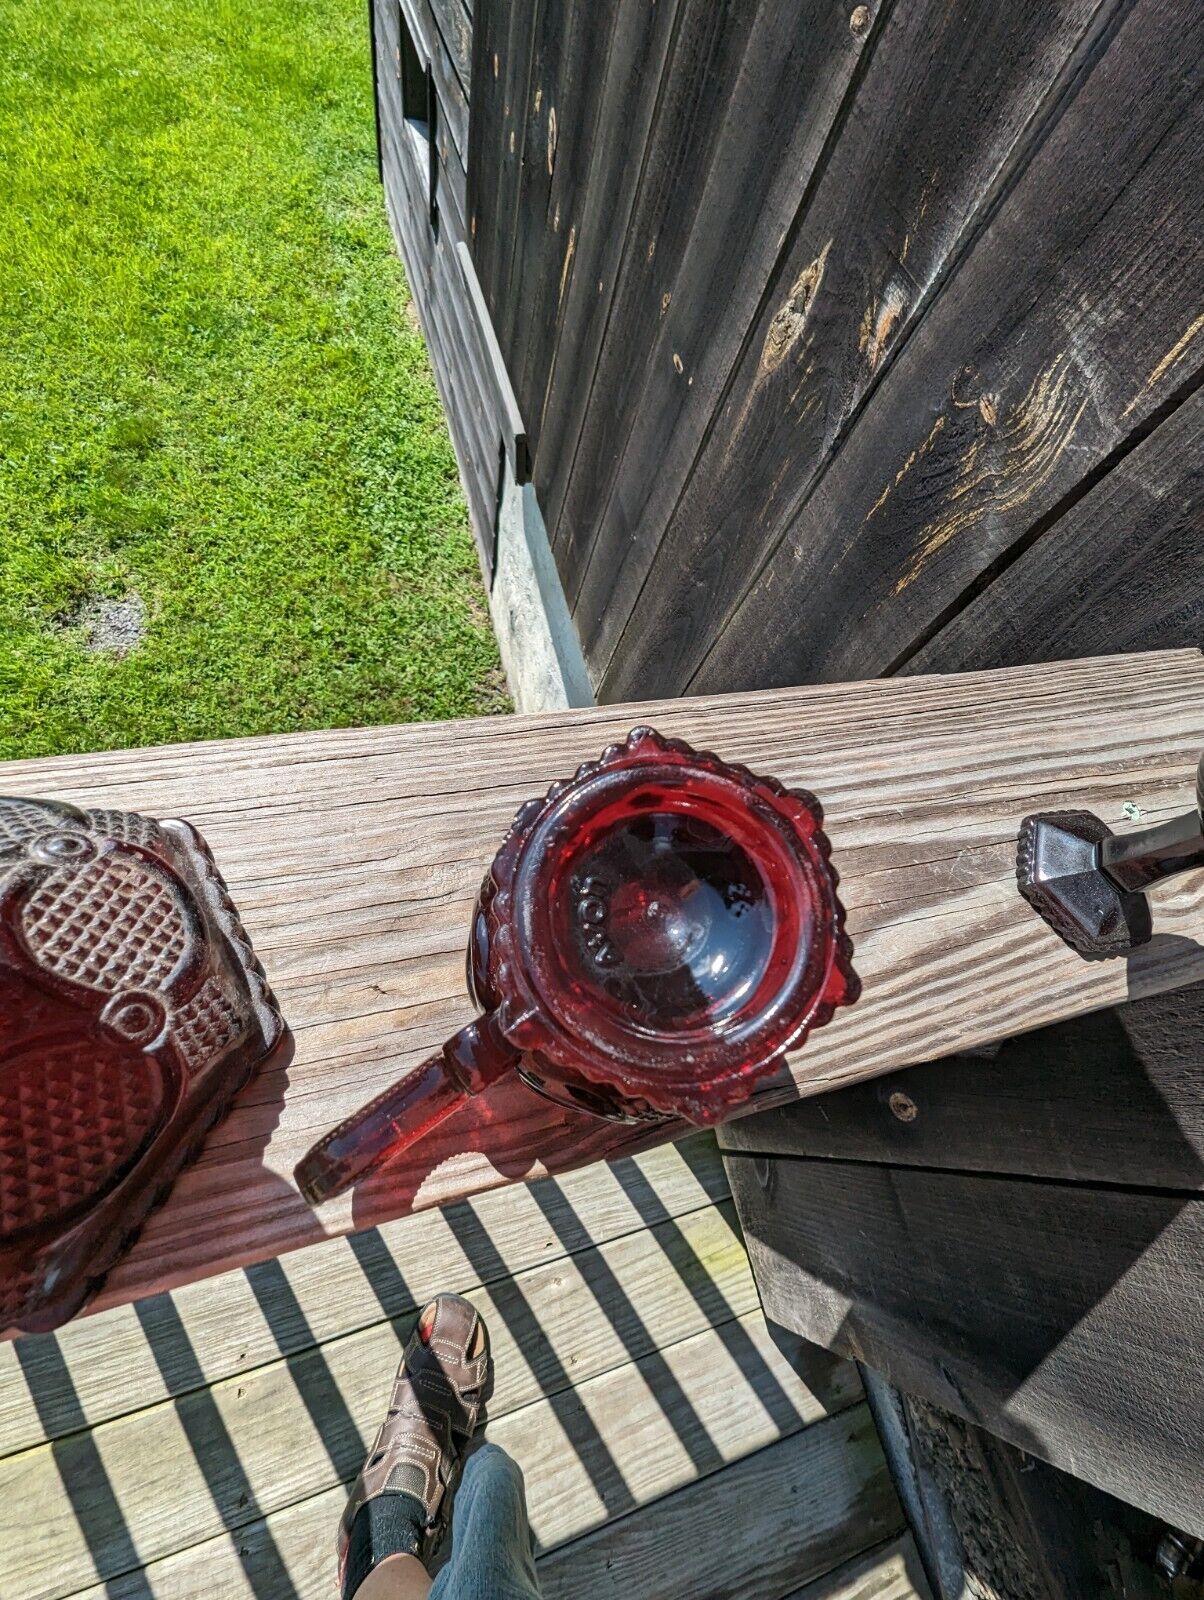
(652, 937)
(131, 1011)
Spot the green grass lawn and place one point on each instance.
(214, 403)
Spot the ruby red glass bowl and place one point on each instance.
(651, 938)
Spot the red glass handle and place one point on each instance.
(406, 1112)
(384, 1127)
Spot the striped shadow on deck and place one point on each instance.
(201, 1443)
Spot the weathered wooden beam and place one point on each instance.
(354, 856)
(1064, 1317)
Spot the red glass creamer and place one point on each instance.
(651, 938)
(131, 1011)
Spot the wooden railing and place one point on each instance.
(354, 857)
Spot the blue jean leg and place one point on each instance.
(492, 1550)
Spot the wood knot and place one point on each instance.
(791, 318)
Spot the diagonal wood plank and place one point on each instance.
(785, 1515)
(621, 1440)
(354, 856)
(102, 1367)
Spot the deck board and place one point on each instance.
(99, 1368)
(354, 856)
(637, 1383)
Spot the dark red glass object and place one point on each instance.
(651, 938)
(131, 1010)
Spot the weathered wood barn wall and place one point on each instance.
(846, 339)
(830, 321)
(838, 340)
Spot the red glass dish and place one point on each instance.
(651, 938)
(131, 1011)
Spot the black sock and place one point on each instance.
(389, 1524)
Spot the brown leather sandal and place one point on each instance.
(436, 1402)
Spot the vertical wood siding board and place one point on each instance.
(946, 103)
(451, 191)
(484, 145)
(455, 30)
(897, 299)
(561, 113)
(419, 247)
(635, 77)
(516, 71)
(388, 83)
(526, 240)
(476, 450)
(687, 137)
(1068, 330)
(473, 415)
(1122, 570)
(964, 590)
(634, 82)
(453, 101)
(795, 86)
(578, 99)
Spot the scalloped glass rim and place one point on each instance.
(702, 1073)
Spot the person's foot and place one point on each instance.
(404, 1488)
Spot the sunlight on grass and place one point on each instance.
(212, 403)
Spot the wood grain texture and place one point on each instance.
(894, 206)
(1123, 569)
(1064, 1318)
(455, 30)
(633, 69)
(892, 1572)
(620, 1443)
(691, 304)
(699, 80)
(354, 857)
(439, 293)
(453, 102)
(1072, 322)
(107, 1366)
(572, 101)
(1113, 1097)
(298, 1542)
(484, 150)
(255, 1443)
(821, 1501)
(503, 111)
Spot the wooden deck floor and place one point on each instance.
(201, 1443)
